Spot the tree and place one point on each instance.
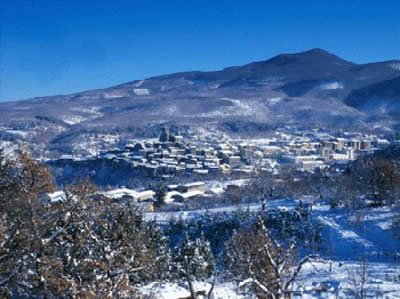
(25, 220)
(383, 180)
(106, 248)
(160, 194)
(82, 246)
(359, 276)
(257, 260)
(194, 260)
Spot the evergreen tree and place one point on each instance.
(160, 194)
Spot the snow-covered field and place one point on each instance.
(227, 290)
(319, 279)
(347, 239)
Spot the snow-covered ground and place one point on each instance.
(319, 279)
(141, 91)
(337, 280)
(164, 218)
(227, 290)
(347, 238)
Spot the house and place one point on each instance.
(179, 197)
(146, 206)
(196, 186)
(120, 194)
(201, 171)
(311, 165)
(58, 196)
(234, 161)
(172, 187)
(145, 195)
(226, 168)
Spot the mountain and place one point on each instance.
(309, 89)
(382, 98)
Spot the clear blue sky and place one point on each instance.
(50, 47)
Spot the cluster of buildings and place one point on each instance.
(305, 150)
(173, 194)
(146, 198)
(208, 158)
(310, 151)
(173, 156)
(217, 158)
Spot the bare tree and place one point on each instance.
(259, 261)
(359, 276)
(194, 260)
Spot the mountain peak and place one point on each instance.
(315, 51)
(310, 63)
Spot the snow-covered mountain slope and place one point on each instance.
(311, 87)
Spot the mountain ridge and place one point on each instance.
(306, 89)
(311, 52)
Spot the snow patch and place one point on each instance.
(395, 66)
(92, 113)
(239, 108)
(72, 120)
(275, 100)
(119, 193)
(170, 290)
(172, 110)
(113, 95)
(57, 196)
(141, 91)
(18, 132)
(139, 83)
(331, 86)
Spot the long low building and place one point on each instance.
(196, 186)
(129, 194)
(311, 165)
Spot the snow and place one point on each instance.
(317, 279)
(333, 273)
(119, 193)
(172, 110)
(227, 290)
(73, 119)
(91, 113)
(9, 148)
(275, 100)
(395, 66)
(239, 108)
(139, 83)
(331, 86)
(18, 132)
(56, 196)
(113, 95)
(344, 236)
(141, 91)
(164, 218)
(381, 279)
(218, 187)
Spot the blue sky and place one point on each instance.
(57, 47)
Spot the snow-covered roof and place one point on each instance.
(195, 184)
(120, 192)
(56, 196)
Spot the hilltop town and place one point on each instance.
(195, 162)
